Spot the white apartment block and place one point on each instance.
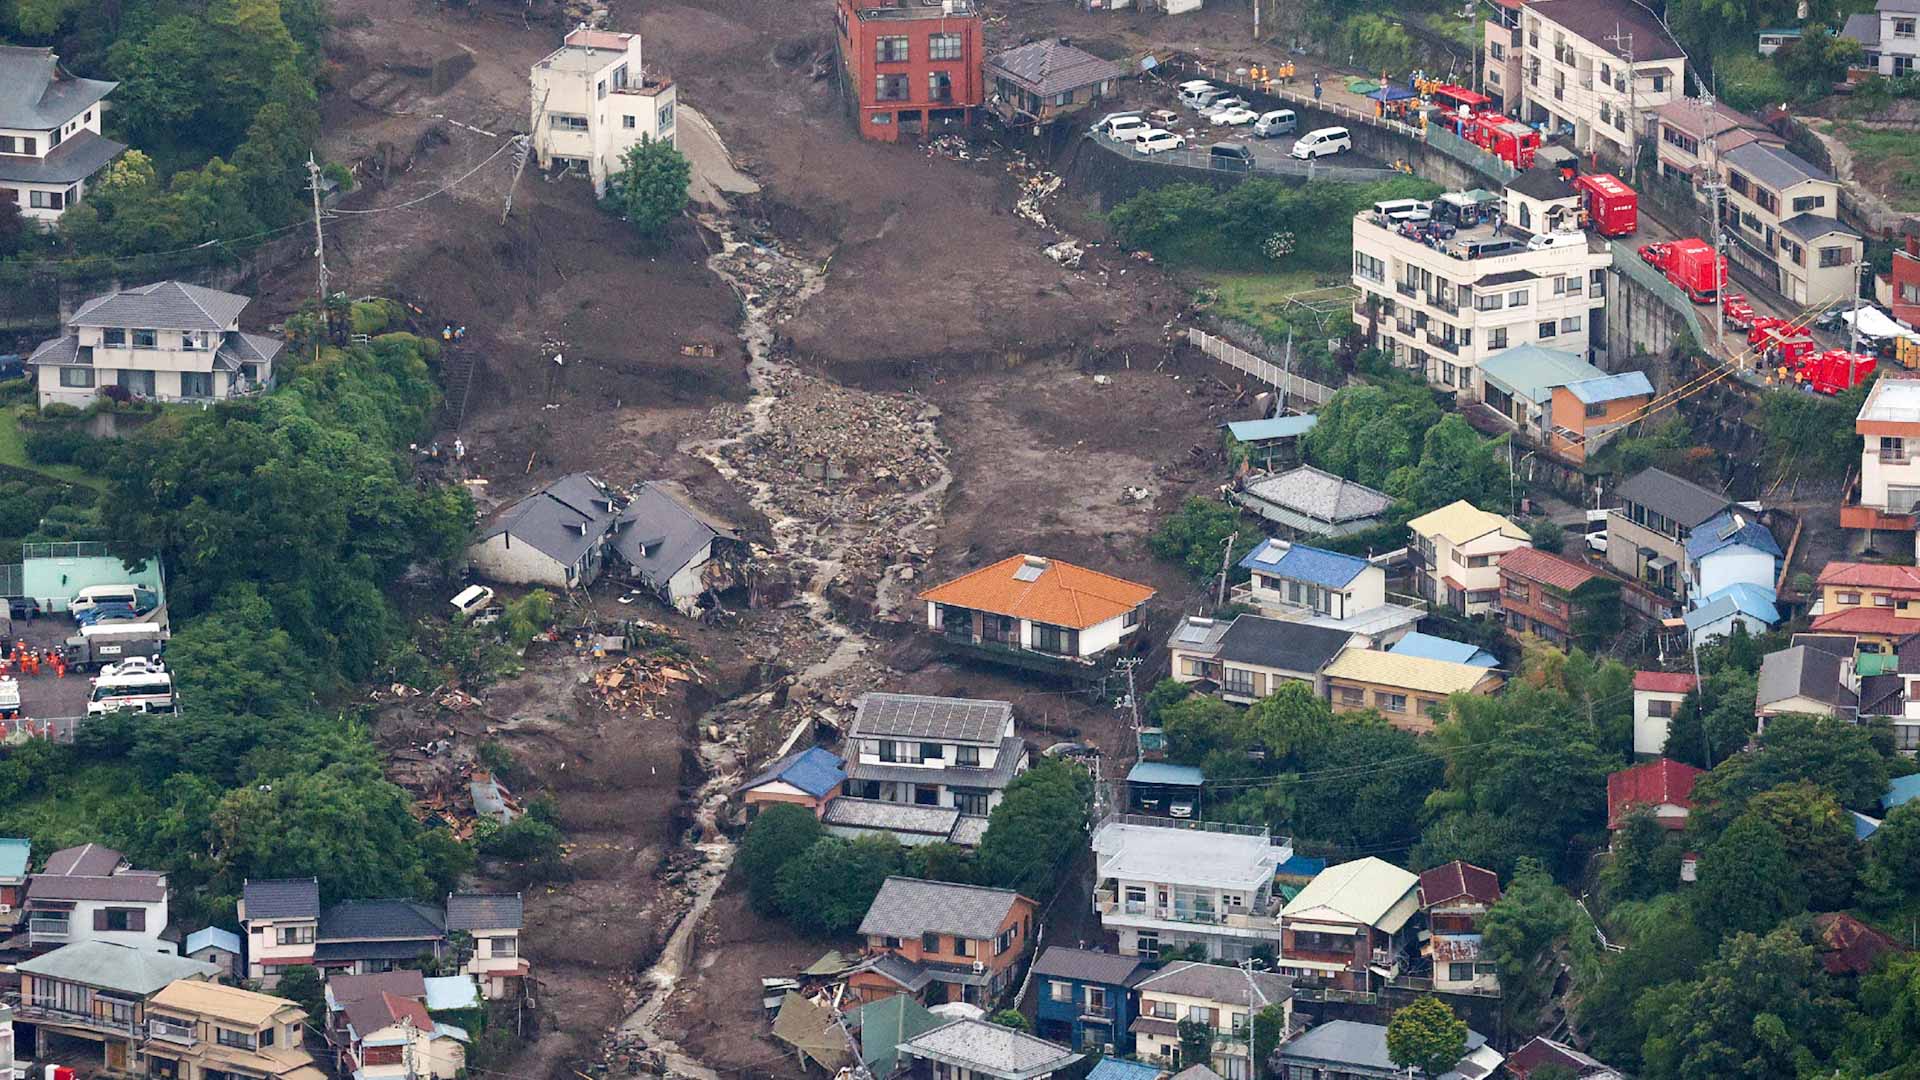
(50, 141)
(1441, 309)
(1163, 886)
(1889, 35)
(1599, 67)
(168, 341)
(592, 102)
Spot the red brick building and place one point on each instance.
(1544, 594)
(912, 68)
(1905, 298)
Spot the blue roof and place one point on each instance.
(216, 938)
(13, 856)
(1280, 427)
(1863, 826)
(813, 770)
(1302, 563)
(1901, 791)
(1742, 598)
(1159, 772)
(1611, 387)
(1438, 648)
(1301, 866)
(1532, 372)
(1723, 531)
(1120, 1069)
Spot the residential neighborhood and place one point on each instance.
(986, 540)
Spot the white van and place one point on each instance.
(473, 598)
(1321, 142)
(145, 691)
(1127, 129)
(1396, 211)
(1190, 92)
(1277, 122)
(94, 595)
(1204, 99)
(1550, 240)
(1105, 125)
(1194, 86)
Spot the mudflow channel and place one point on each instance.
(724, 728)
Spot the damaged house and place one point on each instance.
(676, 551)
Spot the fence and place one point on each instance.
(1259, 367)
(73, 549)
(13, 580)
(1473, 157)
(1203, 159)
(1286, 92)
(1628, 262)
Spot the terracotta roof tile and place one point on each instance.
(1872, 575)
(1656, 783)
(1546, 568)
(1848, 946)
(1865, 620)
(1062, 594)
(1459, 879)
(1664, 682)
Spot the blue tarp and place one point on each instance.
(1433, 647)
(1392, 93)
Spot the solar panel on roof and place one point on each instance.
(1193, 633)
(1028, 572)
(1272, 553)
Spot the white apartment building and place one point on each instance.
(92, 893)
(168, 341)
(1889, 430)
(1442, 308)
(1163, 886)
(1889, 35)
(50, 141)
(1457, 551)
(1599, 67)
(592, 101)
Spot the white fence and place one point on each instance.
(1259, 367)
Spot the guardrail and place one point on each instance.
(1204, 160)
(1259, 367)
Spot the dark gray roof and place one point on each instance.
(484, 911)
(1804, 672)
(399, 919)
(881, 816)
(1541, 184)
(1883, 695)
(1837, 644)
(391, 949)
(1226, 985)
(1289, 646)
(58, 351)
(1774, 166)
(565, 519)
(1005, 763)
(163, 305)
(38, 94)
(935, 719)
(909, 907)
(1348, 1042)
(658, 533)
(124, 888)
(106, 966)
(1811, 227)
(1086, 965)
(1598, 22)
(1048, 68)
(1507, 277)
(282, 898)
(90, 860)
(76, 158)
(1666, 494)
(1863, 28)
(910, 976)
(243, 348)
(1904, 7)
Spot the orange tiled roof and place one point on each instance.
(1062, 594)
(1870, 575)
(1865, 620)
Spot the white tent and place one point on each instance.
(1875, 323)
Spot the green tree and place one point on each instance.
(1532, 916)
(1455, 463)
(1885, 1042)
(1763, 1009)
(1664, 948)
(1836, 755)
(1814, 62)
(1038, 825)
(1481, 837)
(1547, 536)
(1010, 1018)
(1895, 849)
(1195, 537)
(528, 616)
(302, 985)
(1646, 858)
(1701, 741)
(828, 888)
(778, 834)
(1747, 882)
(941, 862)
(1364, 433)
(1818, 837)
(1266, 1029)
(1427, 1037)
(650, 187)
(344, 824)
(1196, 1043)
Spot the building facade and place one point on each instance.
(1254, 656)
(593, 101)
(1500, 69)
(1350, 927)
(1887, 36)
(1889, 482)
(1598, 68)
(959, 943)
(281, 918)
(1084, 999)
(1455, 897)
(1227, 1001)
(1032, 611)
(1657, 697)
(199, 1030)
(100, 993)
(1647, 532)
(910, 69)
(493, 921)
(51, 148)
(92, 893)
(168, 341)
(1548, 596)
(1783, 212)
(1407, 690)
(1162, 885)
(1456, 556)
(1693, 134)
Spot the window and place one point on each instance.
(1794, 252)
(1903, 28)
(240, 1039)
(971, 803)
(666, 118)
(943, 47)
(1056, 639)
(1060, 991)
(930, 942)
(566, 122)
(890, 50)
(1835, 256)
(1882, 600)
(932, 751)
(1893, 449)
(46, 200)
(1497, 50)
(1497, 338)
(1517, 298)
(1659, 83)
(882, 118)
(1906, 737)
(962, 947)
(627, 122)
(1200, 1014)
(940, 87)
(54, 137)
(1460, 972)
(1548, 329)
(600, 90)
(967, 756)
(1570, 324)
(1131, 618)
(78, 377)
(1005, 940)
(1146, 946)
(1475, 562)
(889, 942)
(120, 919)
(1370, 268)
(1390, 702)
(146, 339)
(890, 87)
(1353, 695)
(1519, 592)
(504, 946)
(293, 935)
(16, 144)
(1239, 681)
(1488, 302)
(196, 384)
(1808, 202)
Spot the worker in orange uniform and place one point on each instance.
(59, 664)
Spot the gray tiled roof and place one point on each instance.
(659, 532)
(37, 94)
(1598, 22)
(399, 949)
(485, 911)
(908, 907)
(1226, 985)
(398, 919)
(990, 1050)
(1350, 1043)
(1053, 67)
(1903, 7)
(910, 976)
(243, 348)
(125, 888)
(1086, 965)
(1774, 166)
(163, 305)
(1679, 500)
(107, 966)
(1804, 672)
(1320, 495)
(564, 520)
(282, 898)
(60, 350)
(91, 860)
(852, 813)
(1275, 643)
(1810, 227)
(936, 719)
(76, 158)
(1005, 763)
(1863, 28)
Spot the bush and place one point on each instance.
(1547, 536)
(1195, 538)
(778, 834)
(525, 839)
(1750, 82)
(60, 411)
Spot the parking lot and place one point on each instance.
(1270, 155)
(46, 696)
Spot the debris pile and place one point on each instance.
(628, 1055)
(636, 680)
(1067, 253)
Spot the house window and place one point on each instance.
(600, 90)
(1882, 600)
(1005, 940)
(1903, 28)
(240, 1039)
(628, 122)
(889, 942)
(46, 200)
(962, 947)
(566, 122)
(943, 47)
(1662, 708)
(890, 87)
(1390, 702)
(294, 935)
(931, 751)
(1548, 329)
(1659, 83)
(1060, 991)
(1835, 256)
(1239, 681)
(1808, 202)
(77, 377)
(1848, 598)
(930, 942)
(940, 86)
(1518, 298)
(1906, 737)
(1353, 695)
(1056, 639)
(1131, 618)
(146, 339)
(1460, 972)
(137, 382)
(114, 338)
(1570, 324)
(666, 119)
(504, 947)
(967, 756)
(890, 50)
(1497, 338)
(1794, 252)
(196, 384)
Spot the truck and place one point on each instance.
(1691, 265)
(1612, 207)
(108, 643)
(1502, 136)
(1835, 371)
(9, 698)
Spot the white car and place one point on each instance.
(1153, 142)
(1229, 102)
(1110, 123)
(1234, 117)
(1597, 543)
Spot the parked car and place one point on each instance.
(1201, 99)
(22, 608)
(13, 366)
(1114, 124)
(1277, 122)
(1235, 117)
(1230, 101)
(1152, 142)
(1163, 118)
(1321, 142)
(1231, 156)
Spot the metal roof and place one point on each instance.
(1050, 68)
(1370, 891)
(1405, 672)
(38, 94)
(1864, 28)
(1460, 521)
(1810, 227)
(981, 722)
(814, 770)
(1730, 528)
(107, 966)
(885, 1024)
(1626, 384)
(484, 911)
(281, 898)
(1438, 648)
(908, 907)
(403, 920)
(87, 860)
(1803, 672)
(163, 305)
(446, 992)
(212, 937)
(1279, 427)
(14, 856)
(1774, 166)
(1162, 772)
(1900, 791)
(1740, 598)
(1531, 372)
(1282, 644)
(1181, 856)
(1226, 985)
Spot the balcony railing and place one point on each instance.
(1099, 1014)
(1444, 345)
(1234, 917)
(171, 1032)
(45, 1014)
(1405, 289)
(1444, 304)
(50, 929)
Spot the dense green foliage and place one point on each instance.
(1192, 224)
(1366, 433)
(650, 187)
(1037, 827)
(778, 833)
(1533, 916)
(827, 888)
(1812, 432)
(1195, 538)
(1426, 1037)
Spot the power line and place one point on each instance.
(449, 186)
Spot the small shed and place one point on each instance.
(1157, 787)
(221, 948)
(1269, 443)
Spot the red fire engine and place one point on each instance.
(1612, 207)
(1506, 138)
(1691, 265)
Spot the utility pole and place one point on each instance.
(1253, 1017)
(1853, 335)
(1226, 556)
(319, 237)
(407, 1029)
(523, 152)
(1718, 190)
(1700, 704)
(1133, 697)
(1624, 42)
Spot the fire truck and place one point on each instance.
(1691, 265)
(1612, 207)
(1502, 136)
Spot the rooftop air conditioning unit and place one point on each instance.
(979, 968)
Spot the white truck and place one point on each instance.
(9, 698)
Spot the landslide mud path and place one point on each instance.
(722, 731)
